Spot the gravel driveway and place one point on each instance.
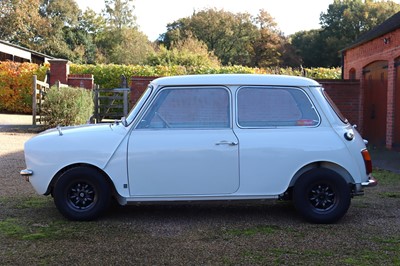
(271, 233)
(12, 161)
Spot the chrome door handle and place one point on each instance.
(225, 142)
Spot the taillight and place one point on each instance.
(367, 161)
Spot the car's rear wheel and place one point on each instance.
(81, 194)
(321, 196)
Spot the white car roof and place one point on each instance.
(235, 79)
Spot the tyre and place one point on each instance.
(321, 196)
(81, 194)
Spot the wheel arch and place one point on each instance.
(326, 165)
(66, 168)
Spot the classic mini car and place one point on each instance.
(208, 138)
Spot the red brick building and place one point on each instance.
(374, 59)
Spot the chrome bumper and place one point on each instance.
(358, 188)
(26, 173)
(370, 183)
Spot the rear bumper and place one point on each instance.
(358, 189)
(26, 173)
(372, 182)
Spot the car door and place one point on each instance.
(184, 145)
(279, 134)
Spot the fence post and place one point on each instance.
(96, 104)
(34, 86)
(125, 102)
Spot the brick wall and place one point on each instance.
(375, 50)
(346, 95)
(81, 80)
(138, 86)
(385, 49)
(59, 71)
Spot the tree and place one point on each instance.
(236, 39)
(268, 44)
(120, 42)
(346, 20)
(90, 26)
(21, 23)
(130, 47)
(228, 35)
(189, 52)
(308, 47)
(62, 18)
(119, 14)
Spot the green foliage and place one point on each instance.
(122, 46)
(67, 106)
(189, 52)
(16, 85)
(108, 76)
(119, 13)
(323, 73)
(236, 39)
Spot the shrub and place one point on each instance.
(67, 106)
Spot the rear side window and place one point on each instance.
(334, 107)
(275, 107)
(189, 108)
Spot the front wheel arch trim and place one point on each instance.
(63, 170)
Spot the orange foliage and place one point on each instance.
(16, 86)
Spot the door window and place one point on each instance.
(188, 108)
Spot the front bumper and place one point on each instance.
(26, 173)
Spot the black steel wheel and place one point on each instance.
(81, 194)
(321, 196)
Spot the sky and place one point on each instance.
(152, 16)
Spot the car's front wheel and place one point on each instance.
(81, 194)
(321, 196)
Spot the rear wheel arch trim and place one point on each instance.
(326, 165)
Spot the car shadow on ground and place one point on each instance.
(284, 212)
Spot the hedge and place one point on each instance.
(16, 78)
(16, 86)
(108, 76)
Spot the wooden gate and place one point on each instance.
(396, 139)
(39, 90)
(375, 102)
(110, 104)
